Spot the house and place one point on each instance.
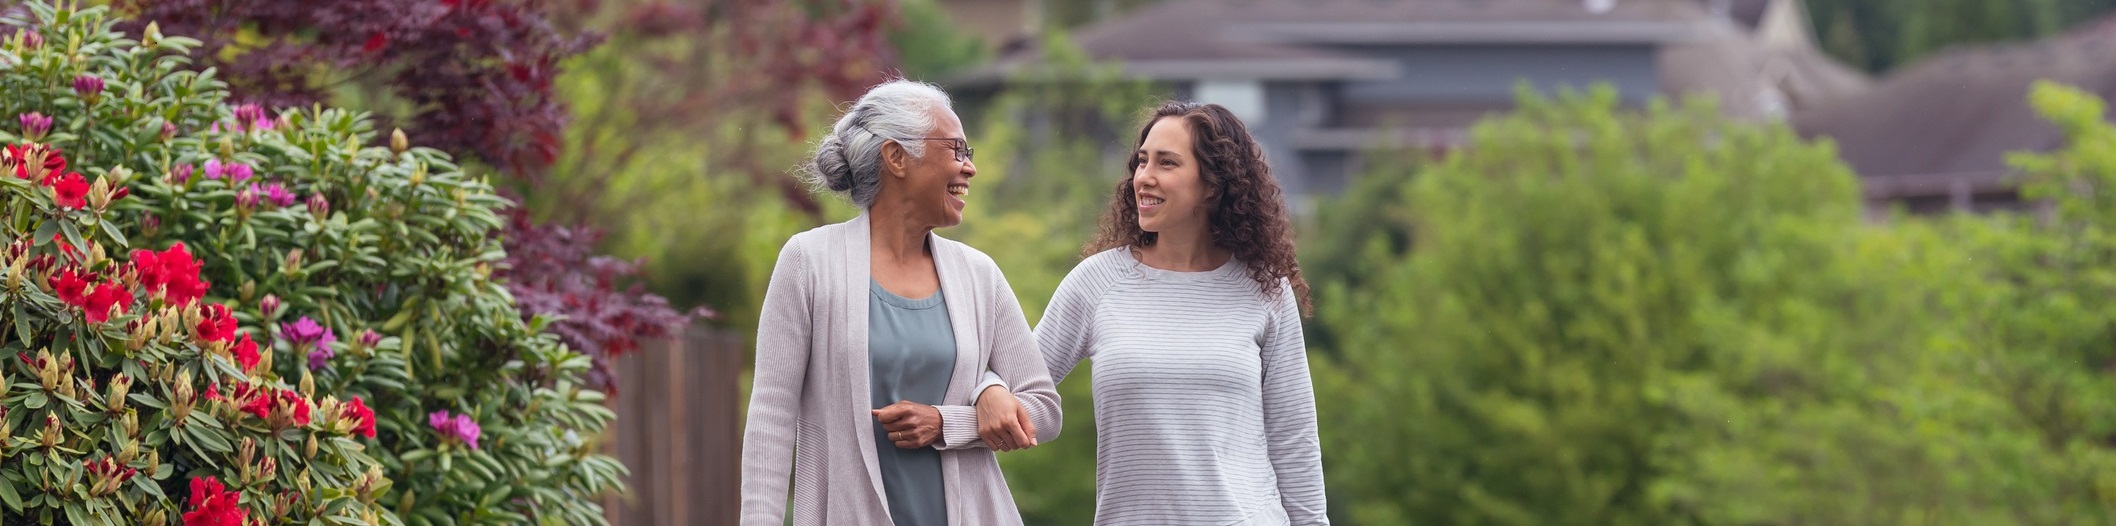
(1933, 136)
(1319, 81)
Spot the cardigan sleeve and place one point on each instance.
(784, 329)
(1015, 361)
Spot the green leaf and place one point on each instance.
(21, 325)
(116, 236)
(73, 235)
(7, 494)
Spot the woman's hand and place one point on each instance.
(1002, 422)
(911, 425)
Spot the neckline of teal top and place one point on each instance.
(902, 302)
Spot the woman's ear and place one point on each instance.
(895, 160)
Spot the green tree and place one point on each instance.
(1879, 35)
(1665, 317)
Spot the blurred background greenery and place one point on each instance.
(1657, 316)
(1597, 310)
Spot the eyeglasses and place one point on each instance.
(963, 151)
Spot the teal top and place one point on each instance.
(910, 356)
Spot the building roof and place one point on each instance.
(1277, 38)
(1755, 80)
(1954, 116)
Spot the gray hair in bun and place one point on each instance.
(848, 162)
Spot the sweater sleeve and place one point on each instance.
(1016, 362)
(1066, 330)
(784, 329)
(1289, 415)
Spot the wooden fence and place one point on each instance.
(679, 430)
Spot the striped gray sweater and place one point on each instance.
(1204, 413)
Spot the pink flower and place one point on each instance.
(460, 428)
(306, 331)
(246, 199)
(34, 126)
(180, 175)
(235, 172)
(89, 87)
(279, 195)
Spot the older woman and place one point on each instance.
(1189, 302)
(873, 335)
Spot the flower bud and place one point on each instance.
(308, 384)
(49, 436)
(28, 40)
(89, 87)
(310, 449)
(318, 206)
(227, 147)
(152, 35)
(267, 469)
(398, 142)
(249, 289)
(168, 131)
(99, 194)
(246, 452)
(418, 174)
(180, 174)
(118, 387)
(269, 306)
(16, 271)
(293, 261)
(245, 201)
(34, 126)
(156, 517)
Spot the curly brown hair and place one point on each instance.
(1248, 215)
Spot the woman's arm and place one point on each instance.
(1016, 361)
(783, 332)
(1289, 415)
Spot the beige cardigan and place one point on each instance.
(810, 390)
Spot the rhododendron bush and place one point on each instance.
(231, 315)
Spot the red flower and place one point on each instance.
(71, 288)
(70, 190)
(362, 417)
(297, 405)
(254, 400)
(106, 295)
(246, 353)
(33, 161)
(375, 43)
(213, 392)
(213, 505)
(218, 325)
(173, 273)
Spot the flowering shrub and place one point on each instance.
(144, 330)
(340, 292)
